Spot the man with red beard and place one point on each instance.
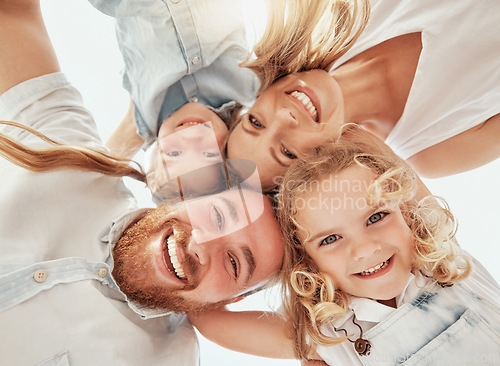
(72, 291)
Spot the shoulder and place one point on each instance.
(52, 106)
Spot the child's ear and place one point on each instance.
(236, 299)
(406, 213)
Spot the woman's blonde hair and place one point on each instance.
(311, 298)
(58, 156)
(303, 35)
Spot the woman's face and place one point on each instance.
(298, 112)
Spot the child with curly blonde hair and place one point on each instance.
(372, 273)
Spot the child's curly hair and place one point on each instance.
(311, 298)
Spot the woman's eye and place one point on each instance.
(254, 122)
(376, 217)
(330, 239)
(173, 153)
(234, 265)
(211, 154)
(287, 153)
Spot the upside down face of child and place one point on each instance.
(367, 251)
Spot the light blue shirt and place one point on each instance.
(180, 51)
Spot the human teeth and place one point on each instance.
(377, 268)
(304, 99)
(190, 123)
(171, 244)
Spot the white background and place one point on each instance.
(85, 43)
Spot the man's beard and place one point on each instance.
(133, 268)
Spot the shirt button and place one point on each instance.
(103, 272)
(175, 1)
(195, 60)
(194, 99)
(40, 276)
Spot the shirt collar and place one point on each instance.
(111, 238)
(372, 311)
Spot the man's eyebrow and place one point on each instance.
(249, 258)
(233, 213)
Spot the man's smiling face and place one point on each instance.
(201, 253)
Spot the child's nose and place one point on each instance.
(191, 134)
(365, 248)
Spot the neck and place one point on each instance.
(367, 96)
(376, 83)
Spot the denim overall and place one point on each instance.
(442, 326)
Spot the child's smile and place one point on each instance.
(367, 251)
(376, 271)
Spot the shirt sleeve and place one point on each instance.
(52, 106)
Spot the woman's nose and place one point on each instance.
(286, 118)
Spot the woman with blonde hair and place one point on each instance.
(372, 273)
(421, 76)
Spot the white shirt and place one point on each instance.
(457, 81)
(58, 302)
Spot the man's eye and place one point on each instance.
(174, 153)
(376, 217)
(287, 153)
(234, 265)
(211, 154)
(254, 122)
(330, 239)
(217, 218)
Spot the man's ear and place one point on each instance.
(236, 299)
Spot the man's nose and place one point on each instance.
(203, 250)
(364, 247)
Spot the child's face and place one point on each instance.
(188, 143)
(367, 251)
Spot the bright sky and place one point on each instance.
(85, 43)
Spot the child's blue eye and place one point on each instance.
(376, 217)
(330, 239)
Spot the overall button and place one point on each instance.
(40, 276)
(103, 272)
(195, 60)
(194, 99)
